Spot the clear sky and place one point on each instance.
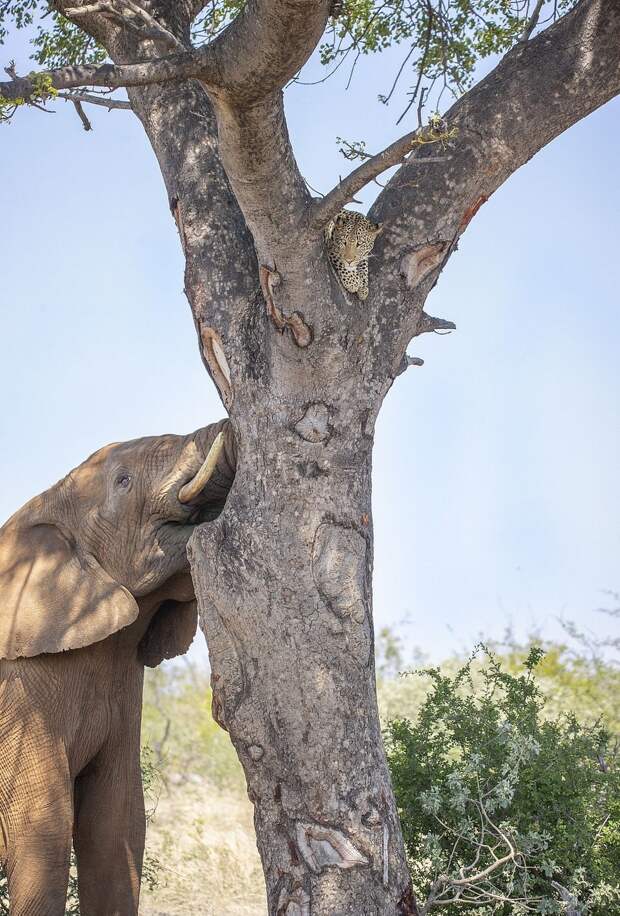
(496, 485)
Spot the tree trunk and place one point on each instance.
(284, 586)
(283, 577)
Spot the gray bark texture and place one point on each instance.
(283, 576)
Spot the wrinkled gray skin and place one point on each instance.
(94, 584)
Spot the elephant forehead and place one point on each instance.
(135, 453)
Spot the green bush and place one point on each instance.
(503, 810)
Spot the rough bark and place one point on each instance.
(283, 576)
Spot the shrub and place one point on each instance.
(503, 810)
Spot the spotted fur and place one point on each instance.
(349, 239)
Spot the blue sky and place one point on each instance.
(496, 485)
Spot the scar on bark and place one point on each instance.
(217, 708)
(471, 212)
(213, 351)
(418, 264)
(339, 567)
(323, 846)
(293, 903)
(255, 751)
(175, 209)
(300, 331)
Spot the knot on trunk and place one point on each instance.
(322, 846)
(339, 566)
(314, 425)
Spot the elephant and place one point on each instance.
(94, 585)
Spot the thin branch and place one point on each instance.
(370, 169)
(82, 114)
(150, 27)
(427, 44)
(532, 22)
(95, 100)
(185, 65)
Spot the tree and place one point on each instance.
(283, 576)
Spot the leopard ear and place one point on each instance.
(378, 228)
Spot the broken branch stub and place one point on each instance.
(418, 264)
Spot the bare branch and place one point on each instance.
(95, 100)
(373, 166)
(532, 22)
(187, 64)
(82, 114)
(127, 11)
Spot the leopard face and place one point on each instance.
(350, 238)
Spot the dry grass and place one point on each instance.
(204, 840)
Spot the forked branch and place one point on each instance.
(268, 42)
(130, 13)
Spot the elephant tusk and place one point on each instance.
(194, 486)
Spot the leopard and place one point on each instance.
(349, 239)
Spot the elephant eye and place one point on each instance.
(123, 480)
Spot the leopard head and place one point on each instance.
(352, 236)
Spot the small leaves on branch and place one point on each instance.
(435, 131)
(42, 91)
(444, 39)
(352, 150)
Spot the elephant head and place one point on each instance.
(78, 562)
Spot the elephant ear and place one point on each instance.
(52, 596)
(170, 632)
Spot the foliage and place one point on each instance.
(151, 782)
(56, 41)
(42, 90)
(442, 40)
(502, 809)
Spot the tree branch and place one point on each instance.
(184, 65)
(256, 55)
(126, 12)
(536, 92)
(371, 168)
(81, 114)
(265, 46)
(95, 100)
(532, 22)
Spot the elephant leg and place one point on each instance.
(38, 853)
(109, 832)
